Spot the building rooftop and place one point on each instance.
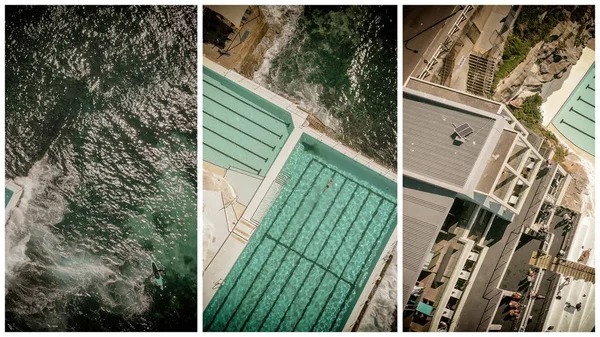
(431, 150)
(425, 209)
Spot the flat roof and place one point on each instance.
(431, 152)
(425, 209)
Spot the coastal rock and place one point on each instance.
(546, 61)
(574, 196)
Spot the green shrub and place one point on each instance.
(529, 113)
(527, 32)
(514, 46)
(560, 153)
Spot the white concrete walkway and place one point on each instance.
(565, 318)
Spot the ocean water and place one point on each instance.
(340, 63)
(101, 133)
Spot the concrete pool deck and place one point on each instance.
(265, 194)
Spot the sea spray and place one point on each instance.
(41, 205)
(67, 271)
(283, 21)
(381, 312)
(588, 202)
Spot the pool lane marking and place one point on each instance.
(582, 115)
(314, 205)
(246, 118)
(260, 298)
(327, 212)
(319, 254)
(230, 157)
(242, 131)
(234, 143)
(563, 121)
(306, 258)
(368, 188)
(342, 273)
(279, 294)
(385, 223)
(339, 311)
(248, 104)
(587, 86)
(324, 245)
(258, 274)
(344, 269)
(269, 256)
(584, 101)
(329, 265)
(258, 245)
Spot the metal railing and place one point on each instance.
(448, 43)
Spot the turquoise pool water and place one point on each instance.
(310, 258)
(240, 128)
(7, 195)
(576, 119)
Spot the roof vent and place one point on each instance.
(462, 132)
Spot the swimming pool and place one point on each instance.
(576, 118)
(7, 195)
(241, 129)
(305, 267)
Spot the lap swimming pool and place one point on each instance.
(308, 262)
(576, 119)
(7, 195)
(240, 129)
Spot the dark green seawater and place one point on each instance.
(340, 62)
(101, 132)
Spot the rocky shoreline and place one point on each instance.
(543, 71)
(546, 62)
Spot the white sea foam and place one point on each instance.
(32, 215)
(287, 17)
(379, 315)
(306, 95)
(588, 203)
(69, 270)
